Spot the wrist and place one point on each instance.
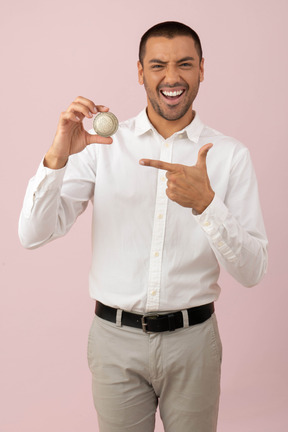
(203, 206)
(53, 161)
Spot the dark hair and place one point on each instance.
(169, 29)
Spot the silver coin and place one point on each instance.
(105, 124)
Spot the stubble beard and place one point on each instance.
(173, 112)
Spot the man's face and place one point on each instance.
(171, 74)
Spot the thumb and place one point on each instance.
(202, 155)
(98, 139)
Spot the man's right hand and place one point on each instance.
(71, 137)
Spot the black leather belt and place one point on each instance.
(153, 322)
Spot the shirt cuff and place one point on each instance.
(213, 215)
(47, 178)
(212, 221)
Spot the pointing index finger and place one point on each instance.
(158, 164)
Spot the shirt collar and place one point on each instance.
(192, 131)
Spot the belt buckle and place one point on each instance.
(144, 323)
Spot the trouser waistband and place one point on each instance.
(154, 322)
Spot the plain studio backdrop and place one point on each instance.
(52, 52)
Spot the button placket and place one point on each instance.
(153, 292)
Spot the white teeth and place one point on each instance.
(172, 93)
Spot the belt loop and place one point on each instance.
(185, 318)
(119, 317)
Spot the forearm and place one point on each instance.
(40, 211)
(55, 198)
(54, 161)
(242, 251)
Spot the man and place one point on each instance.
(161, 228)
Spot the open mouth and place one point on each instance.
(172, 96)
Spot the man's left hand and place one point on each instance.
(189, 186)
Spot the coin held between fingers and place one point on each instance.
(105, 124)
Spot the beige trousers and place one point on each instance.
(133, 371)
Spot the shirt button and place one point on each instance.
(167, 144)
(156, 254)
(153, 293)
(160, 216)
(207, 223)
(163, 178)
(220, 243)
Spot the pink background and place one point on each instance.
(54, 51)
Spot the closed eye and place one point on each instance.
(186, 65)
(157, 66)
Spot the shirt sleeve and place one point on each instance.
(54, 199)
(234, 226)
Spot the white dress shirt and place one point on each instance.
(149, 253)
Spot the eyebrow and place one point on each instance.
(155, 60)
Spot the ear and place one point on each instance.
(202, 70)
(140, 73)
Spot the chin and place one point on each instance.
(174, 116)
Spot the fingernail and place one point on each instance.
(95, 110)
(141, 162)
(90, 114)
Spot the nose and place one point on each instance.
(172, 74)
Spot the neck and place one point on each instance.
(166, 128)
